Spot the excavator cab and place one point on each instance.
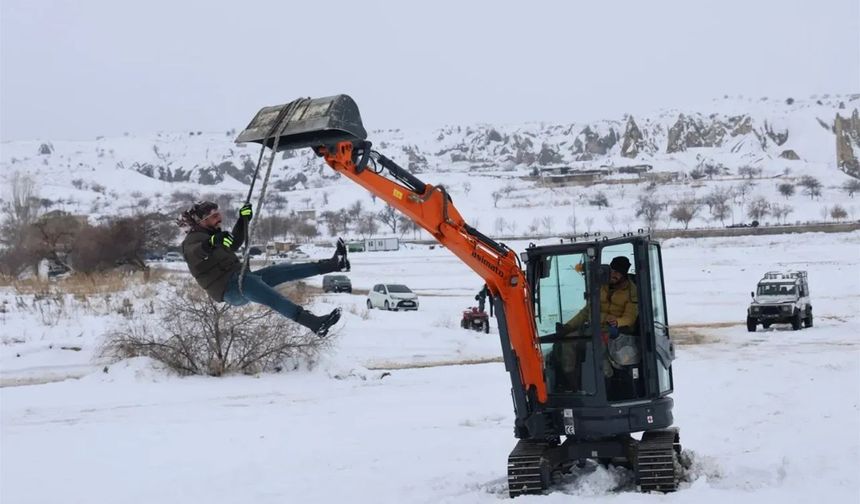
(607, 357)
(603, 333)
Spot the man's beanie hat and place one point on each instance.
(202, 209)
(620, 264)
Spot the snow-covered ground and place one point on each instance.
(767, 417)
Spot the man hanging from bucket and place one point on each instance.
(211, 257)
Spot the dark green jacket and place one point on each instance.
(212, 267)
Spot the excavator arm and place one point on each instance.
(332, 127)
(431, 208)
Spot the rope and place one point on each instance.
(276, 130)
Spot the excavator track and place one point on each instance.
(657, 461)
(528, 472)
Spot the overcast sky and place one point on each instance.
(76, 69)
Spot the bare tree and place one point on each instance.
(407, 225)
(572, 221)
(367, 225)
(277, 201)
(685, 211)
(388, 216)
(743, 189)
(749, 171)
(758, 208)
(546, 223)
(780, 212)
(355, 210)
(650, 209)
(851, 186)
(500, 225)
(117, 242)
(838, 213)
(715, 197)
(589, 221)
(711, 168)
(811, 186)
(599, 200)
(467, 188)
(786, 189)
(496, 195)
(335, 222)
(721, 211)
(534, 226)
(55, 234)
(21, 208)
(307, 230)
(612, 219)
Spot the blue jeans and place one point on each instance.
(259, 286)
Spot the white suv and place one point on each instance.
(392, 297)
(781, 297)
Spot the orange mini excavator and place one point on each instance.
(582, 383)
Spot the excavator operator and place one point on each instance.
(619, 304)
(619, 309)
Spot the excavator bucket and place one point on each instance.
(306, 122)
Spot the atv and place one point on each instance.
(475, 319)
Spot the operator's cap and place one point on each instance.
(620, 264)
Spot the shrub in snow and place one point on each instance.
(194, 335)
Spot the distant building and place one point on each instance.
(639, 169)
(379, 244)
(278, 247)
(561, 175)
(307, 214)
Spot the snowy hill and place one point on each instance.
(541, 168)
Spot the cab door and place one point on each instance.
(661, 350)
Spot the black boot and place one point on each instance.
(318, 325)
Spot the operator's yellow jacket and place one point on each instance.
(621, 302)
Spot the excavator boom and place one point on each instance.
(332, 127)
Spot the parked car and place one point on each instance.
(173, 257)
(392, 297)
(337, 283)
(294, 256)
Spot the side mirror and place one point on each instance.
(752, 294)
